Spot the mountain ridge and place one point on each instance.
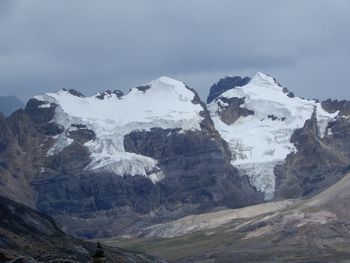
(9, 104)
(159, 153)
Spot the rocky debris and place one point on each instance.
(207, 221)
(109, 93)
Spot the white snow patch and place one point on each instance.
(323, 119)
(256, 141)
(46, 105)
(166, 104)
(261, 176)
(61, 142)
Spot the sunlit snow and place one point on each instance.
(166, 104)
(257, 142)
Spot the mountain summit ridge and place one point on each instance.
(165, 103)
(261, 139)
(159, 153)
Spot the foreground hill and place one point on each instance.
(303, 230)
(29, 236)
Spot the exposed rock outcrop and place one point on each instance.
(318, 162)
(225, 84)
(342, 106)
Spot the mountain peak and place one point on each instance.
(168, 80)
(262, 79)
(162, 84)
(258, 121)
(168, 83)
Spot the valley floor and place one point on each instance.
(308, 230)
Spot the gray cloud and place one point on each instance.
(97, 45)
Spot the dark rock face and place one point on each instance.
(225, 84)
(16, 218)
(318, 162)
(72, 158)
(42, 117)
(82, 135)
(75, 93)
(143, 88)
(196, 167)
(9, 104)
(332, 106)
(119, 93)
(88, 193)
(230, 110)
(198, 176)
(19, 156)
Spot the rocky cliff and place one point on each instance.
(105, 164)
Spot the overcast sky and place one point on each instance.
(98, 45)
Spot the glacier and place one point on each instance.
(258, 143)
(166, 103)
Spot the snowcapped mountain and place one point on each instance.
(126, 161)
(257, 121)
(164, 103)
(141, 157)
